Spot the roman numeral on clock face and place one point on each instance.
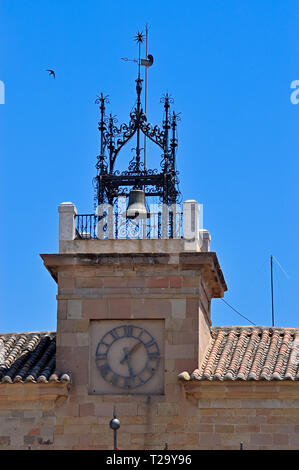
(128, 330)
(114, 379)
(127, 382)
(101, 357)
(114, 333)
(104, 369)
(153, 355)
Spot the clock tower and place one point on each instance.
(135, 278)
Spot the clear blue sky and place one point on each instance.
(228, 64)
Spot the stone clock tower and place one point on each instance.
(132, 313)
(135, 282)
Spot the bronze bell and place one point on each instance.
(136, 206)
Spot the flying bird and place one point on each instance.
(51, 72)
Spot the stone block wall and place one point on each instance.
(28, 415)
(260, 415)
(189, 416)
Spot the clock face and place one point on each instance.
(127, 356)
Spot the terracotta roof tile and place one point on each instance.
(250, 353)
(29, 357)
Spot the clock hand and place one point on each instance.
(128, 353)
(127, 359)
(136, 346)
(130, 367)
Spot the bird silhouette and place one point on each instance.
(148, 62)
(51, 72)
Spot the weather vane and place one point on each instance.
(148, 62)
(139, 38)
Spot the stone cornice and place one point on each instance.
(241, 390)
(33, 391)
(207, 263)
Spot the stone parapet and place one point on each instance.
(190, 237)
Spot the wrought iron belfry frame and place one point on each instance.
(111, 183)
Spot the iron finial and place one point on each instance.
(139, 37)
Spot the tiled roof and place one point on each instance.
(250, 353)
(29, 357)
(234, 353)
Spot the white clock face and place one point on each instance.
(127, 356)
